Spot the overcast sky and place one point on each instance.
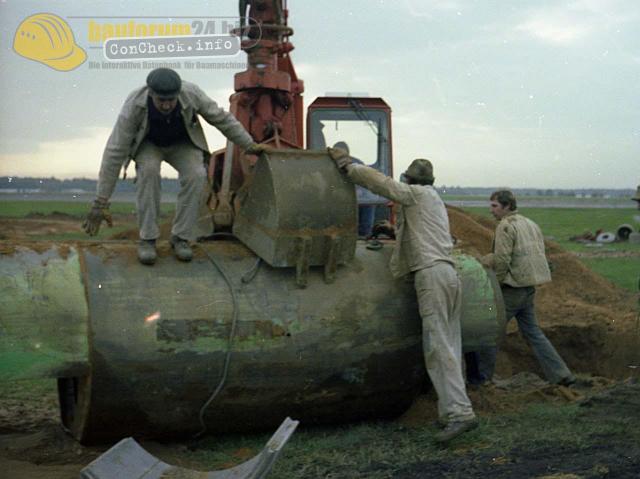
(523, 93)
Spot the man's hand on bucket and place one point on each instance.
(340, 157)
(259, 148)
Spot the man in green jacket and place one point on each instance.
(159, 122)
(520, 264)
(423, 247)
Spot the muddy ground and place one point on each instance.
(33, 444)
(593, 324)
(603, 455)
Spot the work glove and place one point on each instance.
(99, 213)
(487, 260)
(383, 227)
(340, 157)
(258, 148)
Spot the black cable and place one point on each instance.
(227, 359)
(246, 278)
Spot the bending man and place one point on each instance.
(423, 246)
(159, 122)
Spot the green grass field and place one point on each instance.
(624, 272)
(78, 209)
(560, 224)
(549, 200)
(123, 213)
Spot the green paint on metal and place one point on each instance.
(43, 314)
(482, 319)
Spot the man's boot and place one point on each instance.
(147, 251)
(181, 248)
(455, 429)
(567, 381)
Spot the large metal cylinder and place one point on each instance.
(140, 349)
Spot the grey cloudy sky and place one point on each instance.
(496, 93)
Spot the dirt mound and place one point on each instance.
(473, 233)
(35, 228)
(509, 395)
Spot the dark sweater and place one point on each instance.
(166, 130)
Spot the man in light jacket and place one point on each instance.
(423, 247)
(520, 264)
(159, 122)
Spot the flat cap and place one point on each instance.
(164, 82)
(420, 170)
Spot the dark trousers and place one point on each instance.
(519, 303)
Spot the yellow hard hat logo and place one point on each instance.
(46, 38)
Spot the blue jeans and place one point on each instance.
(519, 302)
(366, 217)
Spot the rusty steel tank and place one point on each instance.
(289, 316)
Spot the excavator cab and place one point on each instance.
(362, 127)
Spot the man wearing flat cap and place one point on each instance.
(159, 122)
(423, 247)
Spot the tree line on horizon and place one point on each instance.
(73, 185)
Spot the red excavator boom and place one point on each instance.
(267, 100)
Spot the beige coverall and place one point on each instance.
(423, 246)
(127, 141)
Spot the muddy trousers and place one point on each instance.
(440, 299)
(519, 303)
(187, 160)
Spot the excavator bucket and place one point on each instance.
(299, 211)
(128, 459)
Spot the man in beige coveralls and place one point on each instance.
(159, 122)
(423, 246)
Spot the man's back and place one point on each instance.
(424, 237)
(520, 258)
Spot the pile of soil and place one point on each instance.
(37, 227)
(509, 395)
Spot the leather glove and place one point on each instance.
(383, 228)
(487, 260)
(258, 148)
(99, 213)
(340, 157)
